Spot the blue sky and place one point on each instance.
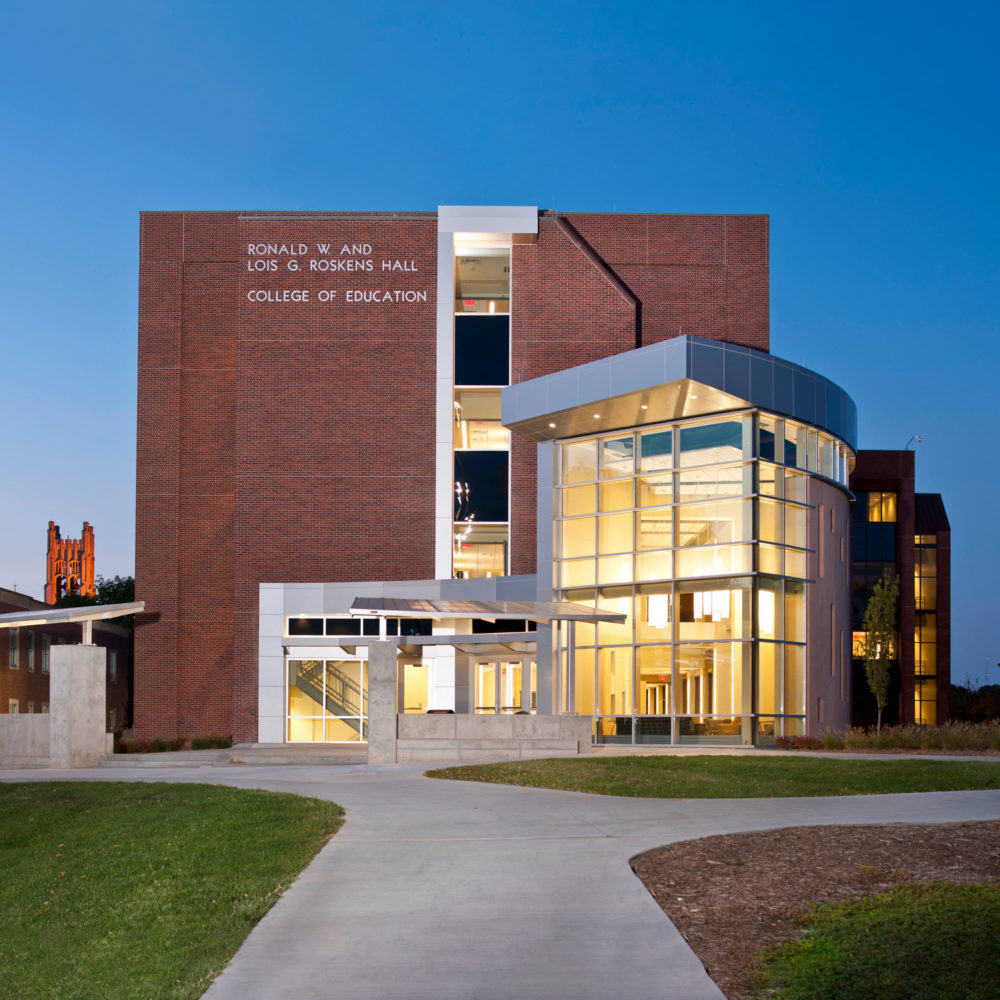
(868, 132)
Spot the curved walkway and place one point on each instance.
(441, 889)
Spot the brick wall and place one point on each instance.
(278, 440)
(294, 441)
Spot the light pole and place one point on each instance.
(915, 437)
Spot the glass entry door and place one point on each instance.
(504, 686)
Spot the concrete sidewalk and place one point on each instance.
(438, 889)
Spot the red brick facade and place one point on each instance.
(287, 437)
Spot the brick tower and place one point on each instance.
(69, 564)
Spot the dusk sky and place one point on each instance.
(868, 132)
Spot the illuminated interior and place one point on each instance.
(697, 531)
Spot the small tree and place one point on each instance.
(880, 638)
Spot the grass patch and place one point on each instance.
(922, 942)
(724, 777)
(141, 890)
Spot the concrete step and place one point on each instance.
(169, 758)
(243, 753)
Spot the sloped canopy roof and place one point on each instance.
(60, 616)
(536, 611)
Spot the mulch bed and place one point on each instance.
(732, 895)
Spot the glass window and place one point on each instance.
(616, 496)
(713, 560)
(769, 609)
(770, 479)
(812, 451)
(795, 611)
(583, 687)
(654, 680)
(796, 486)
(578, 538)
(13, 636)
(305, 626)
(711, 678)
(656, 450)
(477, 421)
(614, 569)
(343, 626)
(481, 485)
(577, 500)
(714, 483)
(795, 563)
(614, 681)
(711, 444)
(482, 281)
(482, 350)
(655, 491)
(655, 610)
(766, 437)
(881, 507)
(770, 678)
(795, 680)
(616, 457)
(654, 529)
(579, 461)
(771, 559)
(795, 445)
(577, 573)
(771, 529)
(653, 566)
(826, 457)
(712, 611)
(480, 550)
(614, 533)
(713, 523)
(619, 601)
(795, 526)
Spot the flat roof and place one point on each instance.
(60, 616)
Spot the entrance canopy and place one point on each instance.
(86, 614)
(535, 611)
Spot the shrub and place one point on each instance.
(798, 743)
(211, 742)
(832, 741)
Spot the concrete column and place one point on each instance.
(382, 672)
(77, 705)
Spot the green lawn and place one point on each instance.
(731, 777)
(922, 942)
(134, 890)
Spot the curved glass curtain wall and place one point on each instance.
(697, 531)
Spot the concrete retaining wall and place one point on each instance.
(456, 738)
(73, 733)
(24, 740)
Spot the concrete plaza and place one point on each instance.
(440, 889)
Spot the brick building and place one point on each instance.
(320, 400)
(908, 534)
(24, 660)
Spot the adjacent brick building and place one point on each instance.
(24, 661)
